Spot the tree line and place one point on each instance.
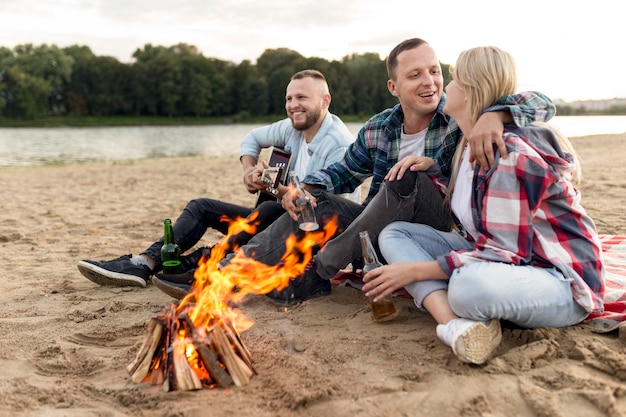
(46, 81)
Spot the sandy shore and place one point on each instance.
(65, 342)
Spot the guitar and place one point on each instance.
(277, 173)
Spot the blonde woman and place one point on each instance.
(527, 252)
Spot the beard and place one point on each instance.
(311, 118)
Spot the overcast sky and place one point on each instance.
(571, 50)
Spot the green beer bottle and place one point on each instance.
(170, 251)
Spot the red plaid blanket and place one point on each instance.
(614, 251)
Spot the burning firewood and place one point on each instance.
(181, 357)
(196, 343)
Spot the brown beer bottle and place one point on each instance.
(385, 309)
(170, 251)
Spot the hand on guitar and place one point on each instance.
(252, 179)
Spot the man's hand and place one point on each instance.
(412, 163)
(253, 179)
(289, 198)
(486, 132)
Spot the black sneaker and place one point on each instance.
(186, 278)
(306, 286)
(190, 262)
(174, 289)
(120, 272)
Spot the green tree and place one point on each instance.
(367, 76)
(80, 85)
(26, 95)
(277, 66)
(49, 63)
(158, 73)
(249, 91)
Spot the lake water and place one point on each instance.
(45, 146)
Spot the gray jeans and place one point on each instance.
(414, 198)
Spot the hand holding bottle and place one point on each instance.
(385, 309)
(303, 210)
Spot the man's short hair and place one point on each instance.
(308, 73)
(392, 59)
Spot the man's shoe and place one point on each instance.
(307, 285)
(177, 290)
(190, 262)
(471, 341)
(186, 278)
(120, 272)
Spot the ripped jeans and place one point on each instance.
(414, 198)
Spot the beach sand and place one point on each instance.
(65, 342)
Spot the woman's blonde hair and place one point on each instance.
(485, 74)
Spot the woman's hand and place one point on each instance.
(384, 280)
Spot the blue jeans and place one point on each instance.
(527, 296)
(203, 213)
(414, 198)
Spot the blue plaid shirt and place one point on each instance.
(376, 148)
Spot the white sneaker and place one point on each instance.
(471, 341)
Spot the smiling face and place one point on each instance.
(418, 83)
(306, 102)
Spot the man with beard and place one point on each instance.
(313, 136)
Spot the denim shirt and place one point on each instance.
(327, 147)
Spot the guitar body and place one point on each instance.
(278, 173)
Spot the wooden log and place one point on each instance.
(208, 357)
(140, 367)
(172, 331)
(157, 375)
(229, 358)
(186, 377)
(247, 370)
(235, 339)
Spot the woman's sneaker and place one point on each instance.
(120, 272)
(471, 341)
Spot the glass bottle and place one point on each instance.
(385, 309)
(306, 214)
(170, 251)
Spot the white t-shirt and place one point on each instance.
(461, 201)
(412, 144)
(302, 159)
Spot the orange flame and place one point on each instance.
(216, 290)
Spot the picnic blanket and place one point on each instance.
(614, 252)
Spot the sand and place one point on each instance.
(65, 342)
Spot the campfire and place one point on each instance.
(196, 343)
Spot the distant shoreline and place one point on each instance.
(122, 121)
